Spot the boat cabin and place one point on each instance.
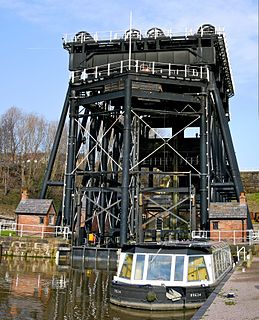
(174, 265)
(182, 272)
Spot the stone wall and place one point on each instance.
(30, 247)
(251, 181)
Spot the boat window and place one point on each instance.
(178, 271)
(217, 264)
(222, 261)
(197, 269)
(139, 267)
(127, 266)
(159, 267)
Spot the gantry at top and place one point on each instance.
(166, 54)
(149, 145)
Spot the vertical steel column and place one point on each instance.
(69, 176)
(103, 182)
(203, 165)
(54, 149)
(228, 142)
(126, 163)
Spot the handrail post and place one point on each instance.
(185, 71)
(136, 66)
(208, 74)
(42, 232)
(201, 72)
(121, 69)
(234, 236)
(21, 230)
(153, 67)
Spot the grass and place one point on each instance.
(253, 201)
(7, 233)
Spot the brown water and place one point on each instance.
(38, 289)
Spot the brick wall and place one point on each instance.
(33, 223)
(226, 228)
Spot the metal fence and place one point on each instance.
(30, 230)
(230, 236)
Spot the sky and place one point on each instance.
(34, 65)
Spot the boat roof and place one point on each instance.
(176, 247)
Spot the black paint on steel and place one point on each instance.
(120, 173)
(230, 151)
(54, 150)
(70, 175)
(203, 166)
(126, 164)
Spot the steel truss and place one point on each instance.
(130, 167)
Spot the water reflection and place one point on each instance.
(38, 289)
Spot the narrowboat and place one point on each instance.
(169, 276)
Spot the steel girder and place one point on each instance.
(123, 175)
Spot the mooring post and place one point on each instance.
(126, 163)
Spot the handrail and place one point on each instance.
(231, 236)
(39, 230)
(110, 36)
(183, 71)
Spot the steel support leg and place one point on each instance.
(223, 122)
(126, 163)
(54, 149)
(203, 168)
(70, 176)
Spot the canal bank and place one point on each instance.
(31, 247)
(237, 298)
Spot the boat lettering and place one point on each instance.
(196, 294)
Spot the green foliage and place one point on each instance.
(253, 197)
(253, 201)
(11, 199)
(7, 233)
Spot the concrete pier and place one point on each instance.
(238, 298)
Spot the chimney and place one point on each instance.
(25, 194)
(242, 199)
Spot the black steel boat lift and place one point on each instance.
(149, 145)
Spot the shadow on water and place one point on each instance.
(38, 289)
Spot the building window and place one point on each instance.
(51, 219)
(41, 220)
(215, 225)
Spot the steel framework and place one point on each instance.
(149, 145)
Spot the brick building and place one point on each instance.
(227, 217)
(39, 216)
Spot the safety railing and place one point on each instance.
(178, 71)
(30, 230)
(231, 236)
(110, 36)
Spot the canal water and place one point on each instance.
(39, 289)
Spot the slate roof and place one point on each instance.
(227, 210)
(34, 206)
